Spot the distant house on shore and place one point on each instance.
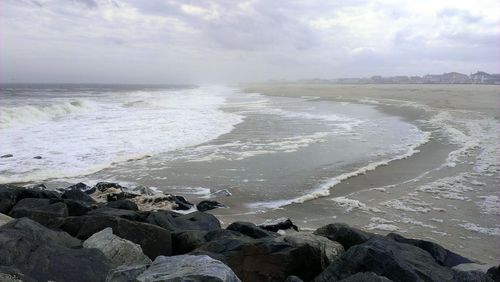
(482, 77)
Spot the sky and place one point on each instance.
(167, 41)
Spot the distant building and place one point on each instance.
(455, 78)
(482, 77)
(432, 78)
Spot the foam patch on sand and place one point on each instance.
(408, 204)
(351, 204)
(378, 223)
(484, 230)
(453, 188)
(489, 205)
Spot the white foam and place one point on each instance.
(351, 204)
(484, 230)
(452, 187)
(79, 144)
(377, 223)
(489, 205)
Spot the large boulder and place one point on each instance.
(10, 195)
(127, 214)
(153, 240)
(188, 268)
(344, 234)
(78, 208)
(250, 229)
(274, 225)
(207, 205)
(188, 240)
(181, 203)
(324, 251)
(385, 257)
(263, 259)
(440, 254)
(192, 221)
(365, 277)
(78, 195)
(48, 255)
(118, 251)
(82, 187)
(43, 211)
(494, 273)
(126, 273)
(5, 219)
(124, 205)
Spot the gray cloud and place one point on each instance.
(206, 40)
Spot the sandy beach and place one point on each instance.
(447, 192)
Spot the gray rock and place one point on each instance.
(278, 224)
(6, 156)
(385, 257)
(208, 205)
(37, 157)
(344, 234)
(5, 219)
(326, 250)
(188, 268)
(125, 273)
(293, 278)
(40, 210)
(124, 205)
(192, 221)
(118, 251)
(78, 195)
(250, 229)
(472, 267)
(365, 277)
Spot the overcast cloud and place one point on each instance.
(162, 41)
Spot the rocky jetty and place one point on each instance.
(112, 233)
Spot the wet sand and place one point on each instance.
(403, 196)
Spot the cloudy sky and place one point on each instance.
(165, 41)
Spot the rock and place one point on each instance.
(12, 274)
(48, 255)
(120, 196)
(470, 276)
(364, 277)
(325, 251)
(6, 156)
(208, 205)
(472, 267)
(440, 254)
(124, 205)
(104, 186)
(82, 187)
(118, 251)
(250, 230)
(188, 268)
(262, 259)
(127, 214)
(278, 224)
(345, 235)
(182, 203)
(38, 157)
(293, 278)
(158, 201)
(192, 221)
(77, 195)
(145, 191)
(10, 195)
(186, 241)
(40, 210)
(494, 273)
(125, 273)
(78, 208)
(153, 240)
(385, 257)
(5, 219)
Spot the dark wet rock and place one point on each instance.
(154, 240)
(494, 273)
(37, 157)
(208, 205)
(192, 221)
(385, 257)
(127, 214)
(5, 219)
(8, 197)
(365, 277)
(188, 268)
(77, 195)
(12, 274)
(263, 259)
(104, 186)
(293, 278)
(279, 224)
(43, 211)
(78, 208)
(6, 156)
(126, 273)
(188, 240)
(250, 230)
(322, 250)
(118, 251)
(48, 255)
(120, 196)
(344, 234)
(440, 254)
(182, 203)
(470, 276)
(82, 187)
(123, 204)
